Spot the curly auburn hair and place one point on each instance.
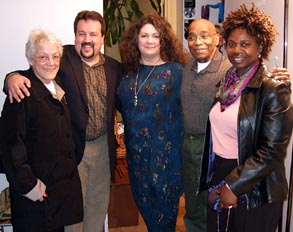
(171, 48)
(256, 23)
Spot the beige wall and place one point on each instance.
(173, 13)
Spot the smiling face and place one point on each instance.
(149, 42)
(242, 49)
(202, 40)
(89, 40)
(45, 62)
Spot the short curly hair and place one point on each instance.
(256, 23)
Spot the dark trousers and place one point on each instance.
(261, 219)
(195, 203)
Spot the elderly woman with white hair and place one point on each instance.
(37, 146)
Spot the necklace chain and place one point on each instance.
(137, 90)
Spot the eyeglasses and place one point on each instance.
(202, 36)
(42, 59)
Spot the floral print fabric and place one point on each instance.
(153, 138)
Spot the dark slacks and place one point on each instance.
(261, 219)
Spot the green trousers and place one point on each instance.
(195, 218)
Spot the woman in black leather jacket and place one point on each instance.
(248, 132)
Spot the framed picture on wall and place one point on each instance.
(189, 8)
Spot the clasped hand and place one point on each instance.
(228, 198)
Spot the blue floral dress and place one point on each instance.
(153, 139)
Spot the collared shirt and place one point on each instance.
(96, 90)
(198, 91)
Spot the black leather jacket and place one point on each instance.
(265, 120)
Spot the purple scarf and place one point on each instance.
(233, 84)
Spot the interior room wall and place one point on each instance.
(171, 13)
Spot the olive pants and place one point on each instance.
(195, 218)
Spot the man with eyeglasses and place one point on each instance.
(201, 74)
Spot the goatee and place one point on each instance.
(84, 45)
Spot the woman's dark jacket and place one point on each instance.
(38, 144)
(265, 123)
(73, 83)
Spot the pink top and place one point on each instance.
(224, 130)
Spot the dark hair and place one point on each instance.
(171, 47)
(219, 29)
(256, 23)
(93, 15)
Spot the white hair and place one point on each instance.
(37, 37)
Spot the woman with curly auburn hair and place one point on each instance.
(170, 47)
(250, 126)
(148, 98)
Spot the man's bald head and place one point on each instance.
(202, 40)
